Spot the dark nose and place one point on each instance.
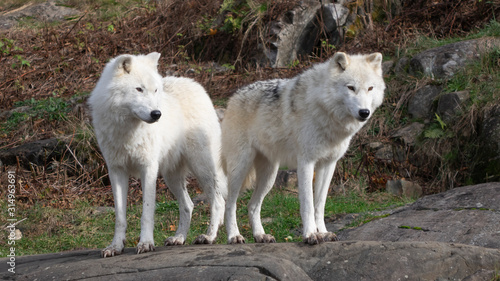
(364, 113)
(155, 114)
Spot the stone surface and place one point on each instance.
(488, 157)
(450, 104)
(404, 188)
(388, 152)
(38, 152)
(48, 11)
(387, 66)
(8, 113)
(347, 260)
(420, 105)
(466, 215)
(422, 241)
(402, 65)
(445, 61)
(298, 31)
(409, 133)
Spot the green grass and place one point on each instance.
(52, 109)
(47, 229)
(481, 79)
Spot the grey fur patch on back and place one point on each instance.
(296, 87)
(269, 90)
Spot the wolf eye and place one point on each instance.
(371, 88)
(156, 90)
(139, 89)
(351, 88)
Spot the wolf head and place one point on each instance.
(358, 84)
(130, 87)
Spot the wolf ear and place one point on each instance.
(154, 57)
(340, 60)
(375, 60)
(124, 63)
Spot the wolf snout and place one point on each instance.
(364, 114)
(155, 115)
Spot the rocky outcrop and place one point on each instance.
(445, 61)
(423, 241)
(39, 153)
(467, 215)
(432, 104)
(489, 154)
(298, 31)
(48, 11)
(420, 105)
(349, 260)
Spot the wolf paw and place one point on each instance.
(238, 239)
(317, 238)
(204, 239)
(145, 247)
(329, 237)
(174, 240)
(264, 238)
(111, 251)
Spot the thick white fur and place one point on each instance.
(306, 122)
(186, 138)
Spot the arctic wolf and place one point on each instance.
(305, 122)
(145, 124)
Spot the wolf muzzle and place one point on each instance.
(364, 114)
(155, 115)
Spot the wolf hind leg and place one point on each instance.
(266, 174)
(239, 165)
(176, 182)
(213, 182)
(119, 184)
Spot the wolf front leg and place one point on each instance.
(148, 182)
(305, 175)
(119, 184)
(324, 174)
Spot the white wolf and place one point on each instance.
(145, 124)
(306, 122)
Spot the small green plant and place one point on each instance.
(228, 66)
(7, 46)
(294, 63)
(110, 28)
(52, 108)
(21, 61)
(411, 227)
(237, 14)
(437, 129)
(327, 47)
